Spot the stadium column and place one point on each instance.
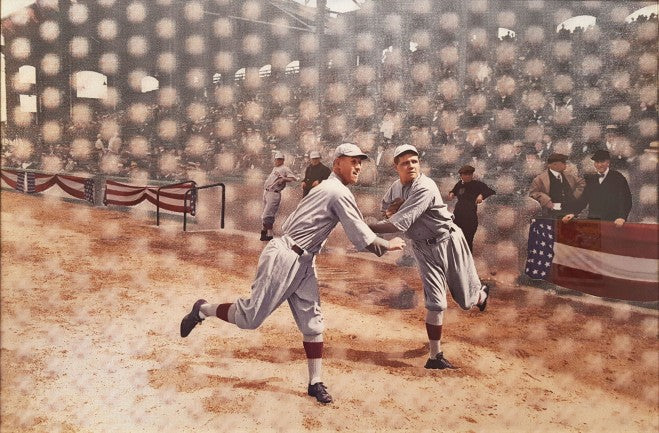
(281, 49)
(422, 77)
(321, 59)
(225, 63)
(170, 69)
(141, 96)
(194, 146)
(109, 21)
(363, 82)
(510, 156)
(393, 78)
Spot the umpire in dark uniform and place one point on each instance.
(470, 193)
(607, 193)
(315, 173)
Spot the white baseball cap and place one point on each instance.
(314, 154)
(349, 149)
(399, 150)
(279, 155)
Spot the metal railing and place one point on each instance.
(194, 190)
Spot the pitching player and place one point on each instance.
(415, 206)
(286, 269)
(273, 186)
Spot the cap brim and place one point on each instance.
(359, 155)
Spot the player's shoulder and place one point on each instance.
(424, 183)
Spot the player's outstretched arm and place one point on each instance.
(381, 246)
(383, 226)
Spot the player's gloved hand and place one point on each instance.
(396, 244)
(393, 207)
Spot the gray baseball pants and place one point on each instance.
(271, 202)
(447, 262)
(283, 275)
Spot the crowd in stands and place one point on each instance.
(258, 124)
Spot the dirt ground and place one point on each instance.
(92, 300)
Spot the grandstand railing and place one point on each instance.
(192, 192)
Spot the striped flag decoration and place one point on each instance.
(171, 198)
(596, 257)
(14, 179)
(20, 181)
(30, 183)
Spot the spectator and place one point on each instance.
(554, 189)
(607, 193)
(315, 173)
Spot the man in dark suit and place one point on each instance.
(607, 193)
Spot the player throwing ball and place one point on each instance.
(286, 269)
(439, 246)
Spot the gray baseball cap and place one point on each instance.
(279, 155)
(314, 154)
(403, 148)
(349, 149)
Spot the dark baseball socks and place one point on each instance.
(226, 312)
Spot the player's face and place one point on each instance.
(279, 161)
(348, 168)
(315, 161)
(408, 168)
(601, 166)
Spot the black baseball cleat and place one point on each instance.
(319, 390)
(191, 319)
(439, 363)
(483, 305)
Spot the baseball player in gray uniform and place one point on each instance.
(415, 206)
(286, 268)
(273, 186)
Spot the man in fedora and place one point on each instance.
(555, 189)
(607, 193)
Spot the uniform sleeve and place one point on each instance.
(414, 206)
(455, 188)
(387, 199)
(345, 208)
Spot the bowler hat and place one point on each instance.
(556, 157)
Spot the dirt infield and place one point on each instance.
(92, 300)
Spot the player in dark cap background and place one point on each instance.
(607, 193)
(555, 189)
(470, 194)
